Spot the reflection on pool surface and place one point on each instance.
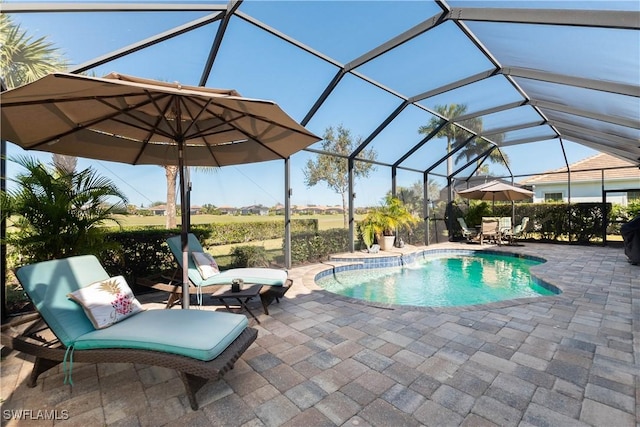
(443, 279)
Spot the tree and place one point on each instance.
(59, 213)
(24, 59)
(456, 136)
(67, 163)
(334, 170)
(413, 197)
(451, 132)
(171, 172)
(478, 146)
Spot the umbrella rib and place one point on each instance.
(255, 117)
(194, 124)
(86, 125)
(155, 129)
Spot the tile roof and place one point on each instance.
(589, 169)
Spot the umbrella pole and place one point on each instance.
(184, 237)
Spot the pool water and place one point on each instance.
(441, 280)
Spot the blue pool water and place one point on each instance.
(441, 280)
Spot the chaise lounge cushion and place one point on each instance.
(141, 332)
(262, 276)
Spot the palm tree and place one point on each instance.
(59, 213)
(171, 172)
(478, 146)
(457, 136)
(65, 162)
(24, 59)
(450, 131)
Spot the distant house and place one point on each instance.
(316, 210)
(333, 210)
(620, 178)
(278, 209)
(161, 210)
(254, 210)
(228, 210)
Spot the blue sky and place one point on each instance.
(261, 66)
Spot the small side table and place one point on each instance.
(243, 297)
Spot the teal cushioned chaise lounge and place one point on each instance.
(275, 282)
(201, 345)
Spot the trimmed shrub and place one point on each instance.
(311, 247)
(249, 256)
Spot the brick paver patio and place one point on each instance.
(324, 360)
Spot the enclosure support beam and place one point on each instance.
(566, 162)
(215, 47)
(287, 213)
(426, 205)
(352, 195)
(3, 231)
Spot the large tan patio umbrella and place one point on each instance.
(496, 190)
(138, 121)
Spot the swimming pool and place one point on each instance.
(442, 280)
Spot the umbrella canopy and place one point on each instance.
(132, 120)
(138, 121)
(496, 191)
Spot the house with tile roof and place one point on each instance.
(586, 181)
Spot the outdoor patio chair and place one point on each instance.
(518, 231)
(201, 345)
(468, 233)
(505, 225)
(275, 282)
(490, 229)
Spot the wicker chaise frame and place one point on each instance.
(36, 340)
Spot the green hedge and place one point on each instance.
(311, 247)
(143, 252)
(580, 222)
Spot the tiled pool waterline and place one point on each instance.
(320, 359)
(436, 278)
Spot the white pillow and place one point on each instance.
(107, 302)
(205, 263)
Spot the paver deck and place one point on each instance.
(325, 360)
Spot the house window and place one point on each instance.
(633, 196)
(552, 197)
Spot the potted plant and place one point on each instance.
(383, 221)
